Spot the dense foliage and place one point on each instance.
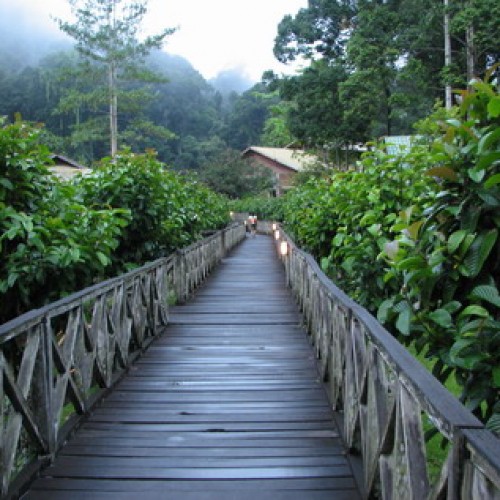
(377, 67)
(58, 237)
(414, 237)
(446, 260)
(265, 207)
(185, 119)
(229, 174)
(50, 242)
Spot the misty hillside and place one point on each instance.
(231, 80)
(23, 41)
(186, 119)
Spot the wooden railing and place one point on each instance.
(58, 361)
(387, 399)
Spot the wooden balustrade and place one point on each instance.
(387, 398)
(58, 361)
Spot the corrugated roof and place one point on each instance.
(295, 159)
(64, 160)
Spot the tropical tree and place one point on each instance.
(106, 34)
(234, 177)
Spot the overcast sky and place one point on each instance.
(214, 35)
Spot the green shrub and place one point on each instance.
(415, 237)
(344, 218)
(58, 237)
(167, 210)
(445, 262)
(50, 244)
(265, 207)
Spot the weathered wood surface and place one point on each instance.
(386, 397)
(55, 362)
(227, 404)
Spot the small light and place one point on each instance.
(284, 248)
(231, 214)
(276, 235)
(275, 226)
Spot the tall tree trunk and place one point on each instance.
(113, 110)
(388, 111)
(447, 52)
(113, 98)
(470, 50)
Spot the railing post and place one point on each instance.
(42, 389)
(456, 465)
(180, 277)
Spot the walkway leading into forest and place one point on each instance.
(227, 404)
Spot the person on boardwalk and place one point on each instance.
(252, 221)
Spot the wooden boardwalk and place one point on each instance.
(225, 405)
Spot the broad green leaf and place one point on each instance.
(494, 107)
(487, 245)
(441, 317)
(103, 259)
(488, 140)
(493, 424)
(488, 293)
(446, 173)
(6, 184)
(475, 311)
(337, 241)
(490, 199)
(403, 322)
(492, 181)
(476, 175)
(470, 361)
(411, 263)
(488, 160)
(384, 309)
(479, 252)
(452, 306)
(374, 230)
(470, 328)
(459, 346)
(325, 264)
(11, 279)
(467, 361)
(455, 240)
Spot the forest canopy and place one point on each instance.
(370, 69)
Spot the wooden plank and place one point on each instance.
(179, 473)
(254, 486)
(146, 462)
(239, 440)
(202, 494)
(85, 450)
(228, 404)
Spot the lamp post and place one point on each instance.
(284, 248)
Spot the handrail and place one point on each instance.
(387, 397)
(56, 362)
